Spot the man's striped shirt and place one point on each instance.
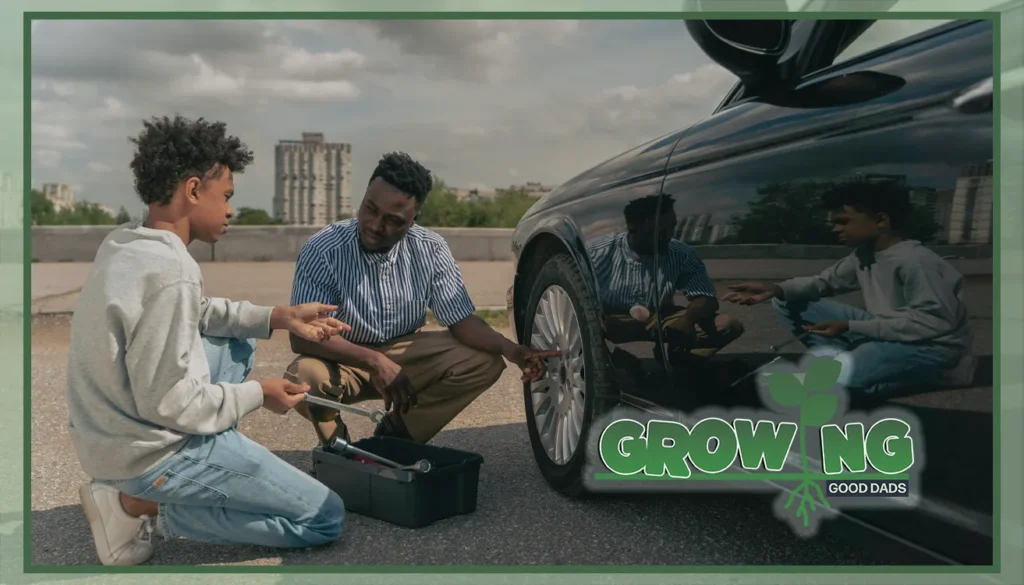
(381, 296)
(624, 278)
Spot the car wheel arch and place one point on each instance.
(544, 243)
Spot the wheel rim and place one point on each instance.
(558, 397)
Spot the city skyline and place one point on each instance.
(483, 104)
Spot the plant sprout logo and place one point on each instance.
(862, 461)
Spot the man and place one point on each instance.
(626, 264)
(156, 372)
(383, 271)
(915, 328)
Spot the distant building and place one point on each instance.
(721, 231)
(534, 189)
(313, 180)
(694, 229)
(970, 214)
(474, 194)
(60, 195)
(11, 201)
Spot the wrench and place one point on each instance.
(374, 415)
(342, 446)
(774, 349)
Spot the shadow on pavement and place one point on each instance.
(519, 520)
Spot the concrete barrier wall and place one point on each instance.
(282, 243)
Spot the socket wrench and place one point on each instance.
(374, 415)
(341, 446)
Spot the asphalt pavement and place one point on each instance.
(519, 519)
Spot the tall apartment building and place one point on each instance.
(970, 213)
(60, 195)
(313, 180)
(11, 201)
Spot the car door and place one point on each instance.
(910, 105)
(616, 223)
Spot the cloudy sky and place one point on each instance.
(487, 103)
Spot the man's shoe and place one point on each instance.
(120, 538)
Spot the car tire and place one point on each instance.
(561, 277)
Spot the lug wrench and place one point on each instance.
(374, 415)
(341, 446)
(774, 349)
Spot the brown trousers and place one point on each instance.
(446, 375)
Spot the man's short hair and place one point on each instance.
(400, 171)
(645, 208)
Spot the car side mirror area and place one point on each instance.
(842, 90)
(750, 49)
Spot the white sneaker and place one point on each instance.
(120, 538)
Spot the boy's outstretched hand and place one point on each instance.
(280, 395)
(310, 321)
(751, 293)
(828, 328)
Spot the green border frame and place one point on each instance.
(733, 9)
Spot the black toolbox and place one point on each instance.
(403, 497)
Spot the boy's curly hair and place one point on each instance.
(871, 197)
(405, 174)
(171, 150)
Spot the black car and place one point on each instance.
(736, 196)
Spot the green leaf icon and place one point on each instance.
(822, 375)
(818, 409)
(785, 389)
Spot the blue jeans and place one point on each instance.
(228, 489)
(869, 366)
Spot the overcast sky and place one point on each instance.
(488, 103)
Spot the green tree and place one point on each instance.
(123, 216)
(42, 209)
(254, 216)
(787, 213)
(83, 213)
(444, 209)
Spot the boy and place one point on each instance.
(156, 372)
(915, 326)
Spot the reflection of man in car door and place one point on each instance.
(640, 271)
(916, 324)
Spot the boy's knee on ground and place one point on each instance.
(328, 524)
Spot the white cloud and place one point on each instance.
(479, 102)
(46, 158)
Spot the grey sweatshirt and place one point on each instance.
(912, 292)
(138, 381)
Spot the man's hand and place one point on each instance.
(280, 395)
(530, 361)
(751, 293)
(310, 321)
(829, 328)
(393, 384)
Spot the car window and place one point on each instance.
(885, 32)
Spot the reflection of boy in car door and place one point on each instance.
(629, 276)
(916, 325)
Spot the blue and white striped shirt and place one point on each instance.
(624, 278)
(381, 296)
